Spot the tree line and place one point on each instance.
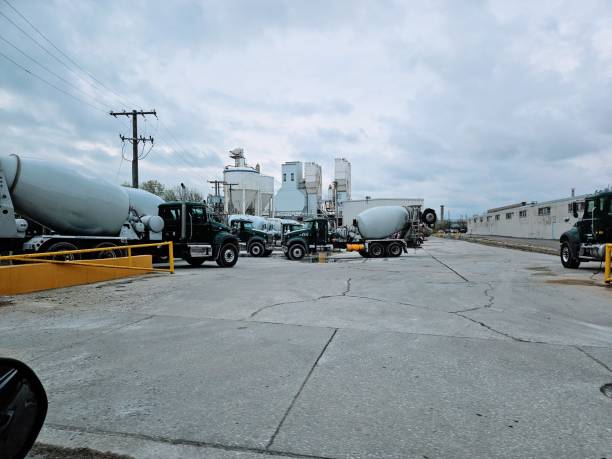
(175, 193)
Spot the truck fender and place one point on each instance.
(223, 238)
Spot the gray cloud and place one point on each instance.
(472, 106)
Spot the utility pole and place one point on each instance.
(229, 202)
(217, 204)
(135, 139)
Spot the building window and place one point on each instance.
(292, 177)
(523, 214)
(497, 217)
(509, 215)
(284, 177)
(544, 211)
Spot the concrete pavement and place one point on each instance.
(456, 350)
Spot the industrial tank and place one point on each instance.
(143, 202)
(380, 222)
(70, 201)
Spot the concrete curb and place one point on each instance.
(510, 245)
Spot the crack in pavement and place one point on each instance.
(488, 327)
(314, 300)
(299, 392)
(183, 442)
(444, 264)
(490, 298)
(595, 359)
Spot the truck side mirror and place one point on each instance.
(575, 209)
(23, 408)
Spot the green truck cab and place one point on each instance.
(311, 237)
(258, 243)
(197, 237)
(587, 239)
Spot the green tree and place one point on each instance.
(154, 186)
(177, 193)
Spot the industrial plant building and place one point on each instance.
(301, 194)
(246, 189)
(534, 220)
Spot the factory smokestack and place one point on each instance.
(441, 213)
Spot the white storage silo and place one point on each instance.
(342, 177)
(313, 186)
(246, 190)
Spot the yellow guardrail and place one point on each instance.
(40, 257)
(607, 274)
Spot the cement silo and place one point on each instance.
(313, 187)
(342, 179)
(246, 190)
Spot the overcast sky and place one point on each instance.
(470, 104)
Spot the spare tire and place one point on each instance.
(429, 217)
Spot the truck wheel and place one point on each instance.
(429, 217)
(62, 246)
(377, 250)
(394, 249)
(267, 253)
(567, 258)
(194, 261)
(228, 256)
(256, 249)
(296, 252)
(108, 253)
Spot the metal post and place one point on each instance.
(608, 262)
(171, 256)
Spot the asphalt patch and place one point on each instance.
(44, 451)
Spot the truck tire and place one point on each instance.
(267, 253)
(567, 257)
(108, 253)
(228, 256)
(62, 246)
(194, 261)
(429, 217)
(376, 250)
(297, 252)
(394, 249)
(256, 249)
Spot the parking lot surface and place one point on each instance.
(456, 350)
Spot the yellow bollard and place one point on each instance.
(171, 256)
(607, 276)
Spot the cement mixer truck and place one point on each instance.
(377, 232)
(82, 211)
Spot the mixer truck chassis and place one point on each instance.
(79, 211)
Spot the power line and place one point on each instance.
(76, 64)
(49, 83)
(48, 69)
(79, 67)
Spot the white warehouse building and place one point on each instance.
(533, 220)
